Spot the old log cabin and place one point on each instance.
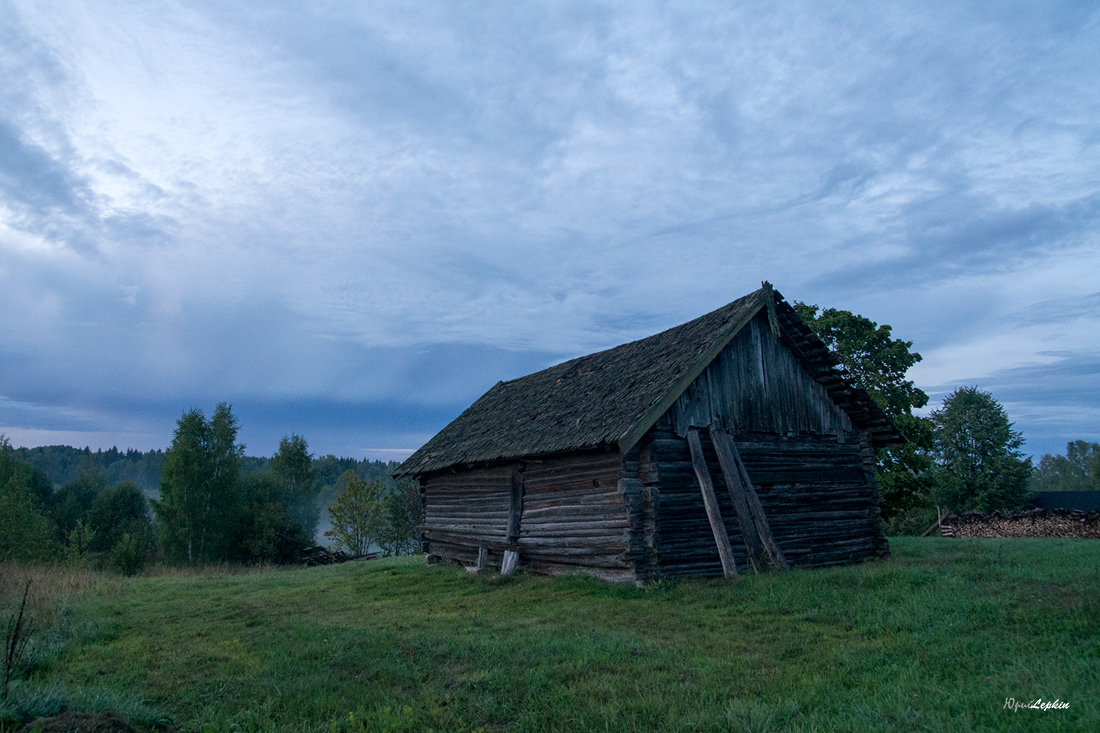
(729, 442)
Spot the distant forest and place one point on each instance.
(62, 464)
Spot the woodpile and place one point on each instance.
(1032, 523)
(318, 555)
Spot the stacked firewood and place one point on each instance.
(323, 556)
(1031, 523)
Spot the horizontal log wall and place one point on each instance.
(815, 492)
(465, 511)
(574, 518)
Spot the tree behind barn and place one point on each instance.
(404, 513)
(359, 515)
(979, 464)
(877, 362)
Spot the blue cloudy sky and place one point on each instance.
(350, 219)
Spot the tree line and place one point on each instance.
(213, 504)
(965, 455)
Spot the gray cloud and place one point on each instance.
(346, 206)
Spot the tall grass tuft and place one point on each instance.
(15, 641)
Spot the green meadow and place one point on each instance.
(935, 638)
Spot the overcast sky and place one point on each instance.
(350, 219)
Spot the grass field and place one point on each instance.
(935, 638)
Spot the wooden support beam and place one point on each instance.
(710, 501)
(723, 442)
(515, 513)
(515, 507)
(758, 556)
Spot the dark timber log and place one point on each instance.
(515, 509)
(754, 523)
(699, 463)
(758, 556)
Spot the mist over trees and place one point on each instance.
(202, 500)
(63, 464)
(372, 514)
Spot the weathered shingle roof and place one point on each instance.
(611, 398)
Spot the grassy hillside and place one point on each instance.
(936, 638)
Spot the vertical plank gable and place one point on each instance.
(757, 385)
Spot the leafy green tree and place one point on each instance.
(72, 501)
(268, 532)
(403, 514)
(359, 515)
(292, 466)
(26, 532)
(978, 460)
(130, 554)
(1077, 470)
(78, 543)
(200, 503)
(119, 511)
(35, 479)
(878, 363)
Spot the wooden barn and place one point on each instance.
(726, 443)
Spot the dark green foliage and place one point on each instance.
(200, 505)
(404, 511)
(74, 500)
(376, 513)
(292, 467)
(268, 532)
(267, 513)
(130, 554)
(63, 464)
(26, 531)
(1077, 470)
(359, 515)
(119, 510)
(979, 464)
(329, 469)
(123, 528)
(874, 360)
(878, 363)
(78, 543)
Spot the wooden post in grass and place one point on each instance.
(710, 501)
